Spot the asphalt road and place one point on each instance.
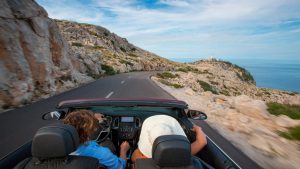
(18, 126)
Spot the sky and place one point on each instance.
(187, 30)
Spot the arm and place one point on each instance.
(124, 147)
(136, 155)
(200, 141)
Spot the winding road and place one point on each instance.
(18, 126)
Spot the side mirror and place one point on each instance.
(53, 115)
(196, 115)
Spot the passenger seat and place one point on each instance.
(170, 152)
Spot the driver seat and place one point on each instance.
(51, 147)
(170, 152)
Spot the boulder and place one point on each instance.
(189, 92)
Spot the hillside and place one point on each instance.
(243, 113)
(225, 78)
(40, 57)
(92, 44)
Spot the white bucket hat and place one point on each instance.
(154, 127)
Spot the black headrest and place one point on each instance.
(54, 141)
(171, 151)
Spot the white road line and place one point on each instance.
(123, 81)
(109, 94)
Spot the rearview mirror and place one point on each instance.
(196, 115)
(53, 115)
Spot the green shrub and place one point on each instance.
(98, 47)
(206, 72)
(292, 134)
(207, 87)
(291, 93)
(214, 83)
(167, 75)
(123, 49)
(177, 86)
(133, 55)
(293, 111)
(133, 49)
(108, 69)
(77, 44)
(225, 92)
(93, 33)
(126, 62)
(112, 42)
(105, 34)
(188, 69)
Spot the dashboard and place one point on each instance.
(124, 127)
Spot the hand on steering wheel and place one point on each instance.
(100, 117)
(104, 128)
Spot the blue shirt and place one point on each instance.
(103, 154)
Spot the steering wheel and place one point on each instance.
(103, 130)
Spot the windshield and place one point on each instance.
(140, 111)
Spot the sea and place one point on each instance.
(277, 73)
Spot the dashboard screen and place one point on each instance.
(127, 119)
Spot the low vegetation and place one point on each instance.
(293, 111)
(77, 44)
(167, 75)
(187, 69)
(207, 87)
(123, 49)
(291, 134)
(133, 55)
(194, 70)
(177, 86)
(225, 92)
(98, 47)
(126, 62)
(108, 69)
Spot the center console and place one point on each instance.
(127, 127)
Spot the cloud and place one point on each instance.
(199, 27)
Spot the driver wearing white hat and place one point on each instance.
(159, 125)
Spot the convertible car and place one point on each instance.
(123, 121)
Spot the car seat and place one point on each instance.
(51, 147)
(170, 152)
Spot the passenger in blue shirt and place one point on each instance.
(86, 124)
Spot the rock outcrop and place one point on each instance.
(34, 56)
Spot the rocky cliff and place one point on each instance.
(39, 59)
(34, 56)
